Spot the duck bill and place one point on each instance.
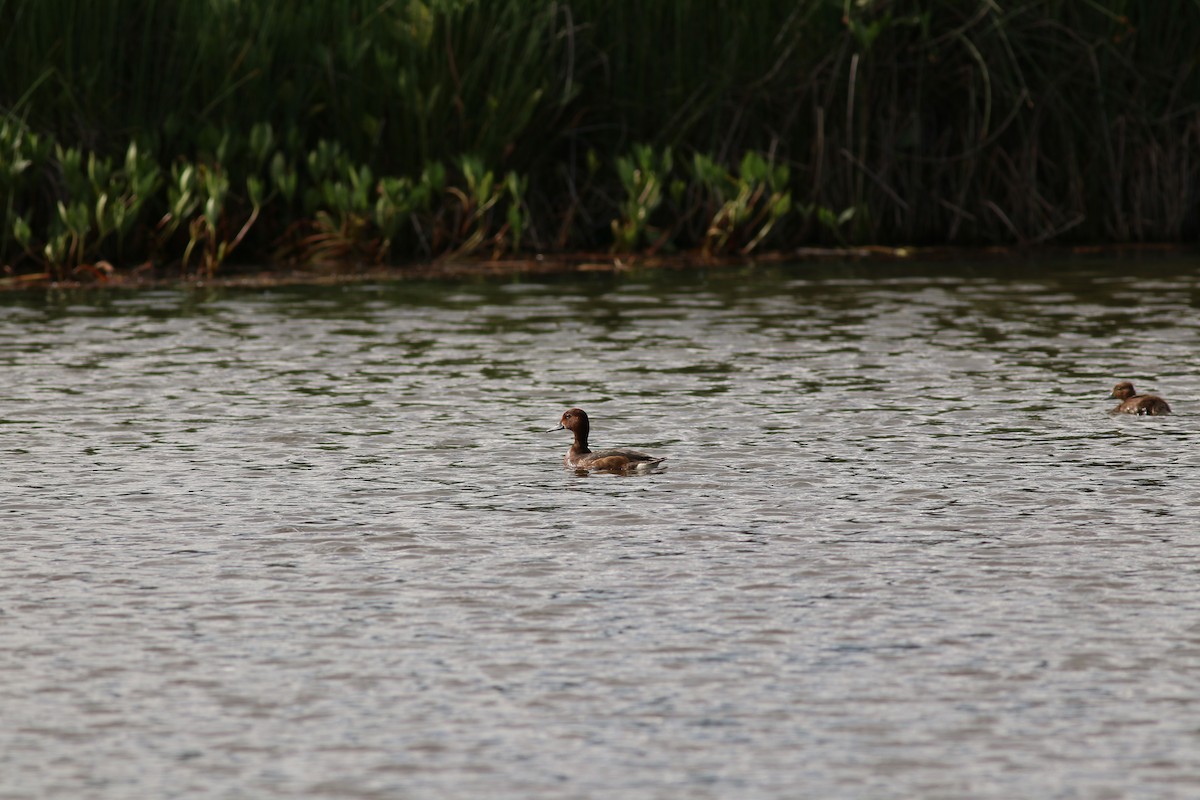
(559, 428)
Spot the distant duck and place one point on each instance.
(1134, 403)
(580, 457)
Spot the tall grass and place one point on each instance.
(918, 121)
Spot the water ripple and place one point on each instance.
(315, 542)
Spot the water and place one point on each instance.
(316, 542)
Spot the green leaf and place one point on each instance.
(254, 188)
(22, 231)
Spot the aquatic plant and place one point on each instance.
(23, 157)
(100, 200)
(473, 217)
(709, 125)
(646, 178)
(402, 210)
(198, 197)
(748, 204)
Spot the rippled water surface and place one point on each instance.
(317, 543)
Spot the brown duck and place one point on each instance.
(1134, 403)
(580, 457)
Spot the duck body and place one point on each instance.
(1134, 403)
(614, 460)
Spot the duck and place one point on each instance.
(580, 457)
(1134, 403)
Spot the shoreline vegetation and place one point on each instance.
(247, 276)
(145, 141)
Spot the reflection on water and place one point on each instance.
(315, 542)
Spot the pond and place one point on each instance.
(316, 542)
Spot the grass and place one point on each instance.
(365, 131)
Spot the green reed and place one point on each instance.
(369, 131)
